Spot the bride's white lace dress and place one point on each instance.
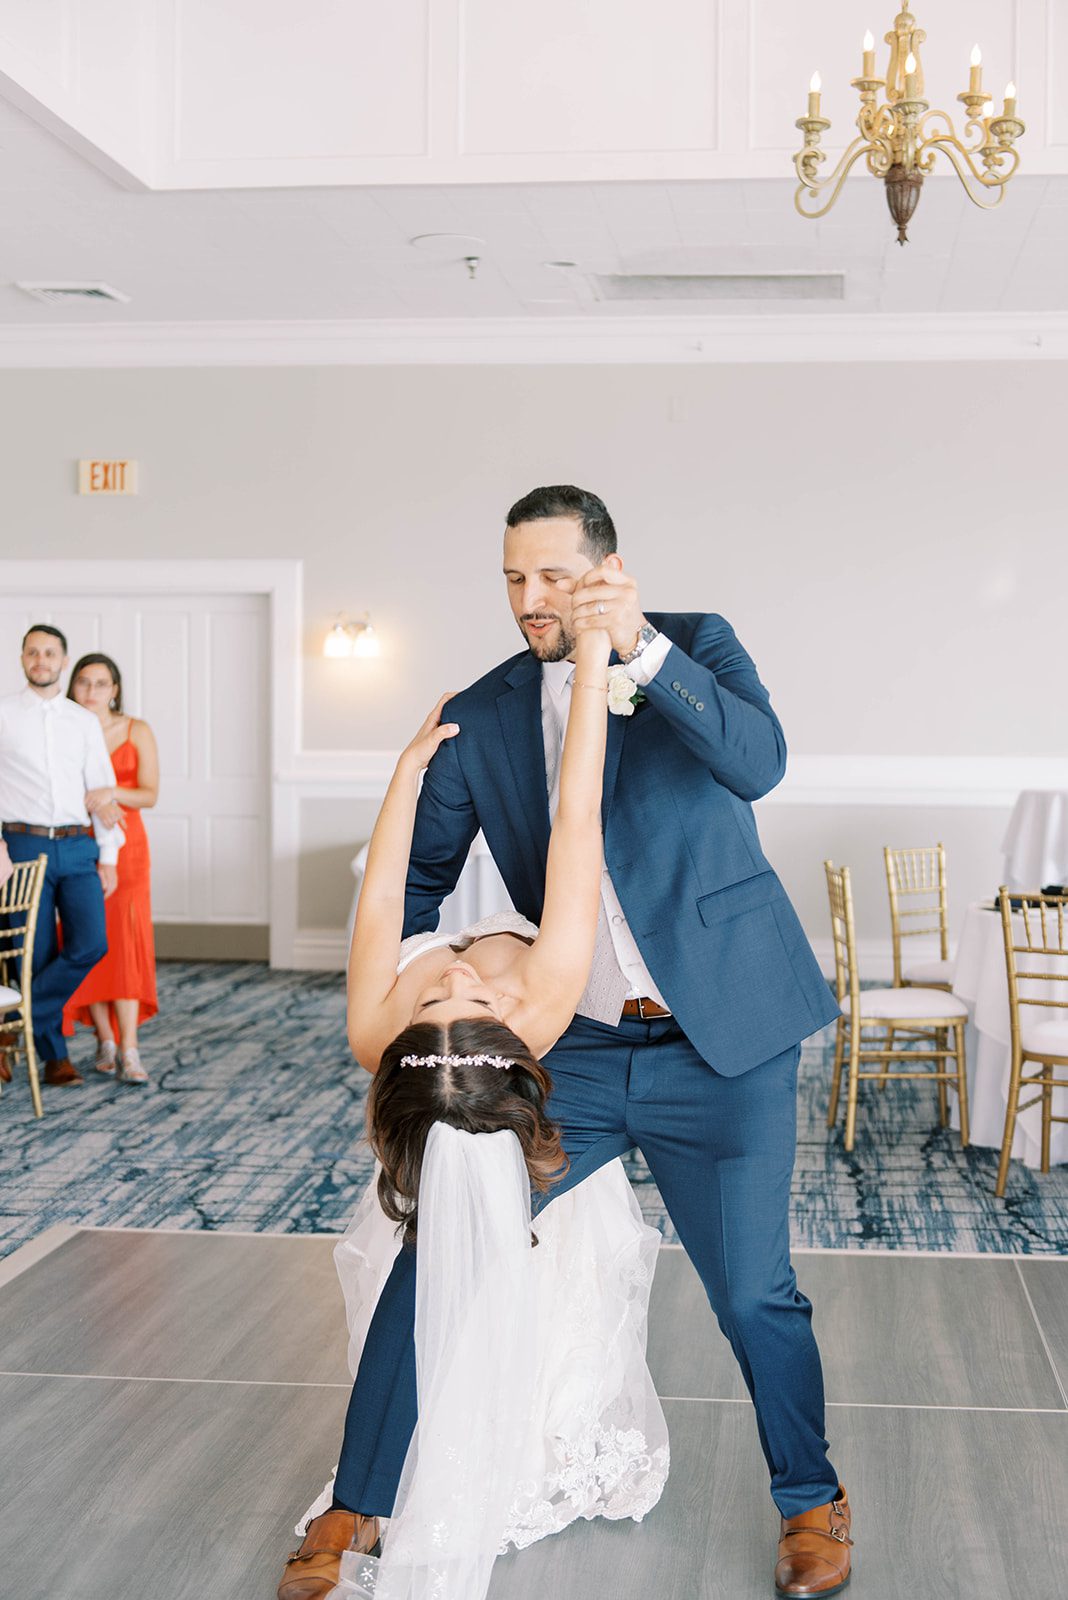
(536, 1406)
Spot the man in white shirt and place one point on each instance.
(52, 752)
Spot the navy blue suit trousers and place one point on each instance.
(721, 1150)
(72, 892)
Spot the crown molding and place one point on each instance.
(581, 340)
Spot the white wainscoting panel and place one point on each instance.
(264, 80)
(604, 76)
(44, 35)
(87, 72)
(163, 657)
(1054, 56)
(237, 878)
(172, 868)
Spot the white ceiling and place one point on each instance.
(344, 253)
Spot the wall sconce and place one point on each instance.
(351, 638)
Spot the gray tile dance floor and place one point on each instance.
(169, 1403)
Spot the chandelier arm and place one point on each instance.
(833, 181)
(968, 175)
(925, 138)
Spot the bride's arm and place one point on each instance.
(376, 936)
(554, 973)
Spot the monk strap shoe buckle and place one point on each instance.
(841, 1535)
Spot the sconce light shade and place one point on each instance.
(338, 642)
(366, 642)
(348, 638)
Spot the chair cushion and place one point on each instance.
(9, 997)
(1044, 1038)
(898, 1005)
(931, 971)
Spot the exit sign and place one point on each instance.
(107, 477)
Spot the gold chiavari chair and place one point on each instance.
(1042, 1044)
(919, 875)
(932, 1013)
(20, 898)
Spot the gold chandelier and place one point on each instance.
(902, 137)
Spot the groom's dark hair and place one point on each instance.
(564, 500)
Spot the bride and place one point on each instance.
(535, 1405)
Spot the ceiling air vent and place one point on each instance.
(57, 294)
(719, 286)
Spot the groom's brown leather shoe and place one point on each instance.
(814, 1550)
(313, 1570)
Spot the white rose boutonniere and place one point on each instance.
(624, 695)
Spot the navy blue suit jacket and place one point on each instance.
(711, 919)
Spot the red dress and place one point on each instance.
(128, 971)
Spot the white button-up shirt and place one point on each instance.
(555, 707)
(51, 752)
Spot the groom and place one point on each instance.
(687, 1040)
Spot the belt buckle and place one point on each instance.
(641, 1006)
(52, 833)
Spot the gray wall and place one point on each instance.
(884, 538)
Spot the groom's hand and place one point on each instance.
(607, 597)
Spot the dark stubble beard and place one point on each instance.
(565, 644)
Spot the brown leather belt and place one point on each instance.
(74, 830)
(641, 1007)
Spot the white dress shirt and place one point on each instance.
(555, 707)
(51, 752)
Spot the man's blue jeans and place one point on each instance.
(721, 1151)
(72, 892)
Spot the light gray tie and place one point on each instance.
(606, 988)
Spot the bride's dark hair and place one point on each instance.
(405, 1102)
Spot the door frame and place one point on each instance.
(281, 583)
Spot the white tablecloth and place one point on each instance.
(980, 980)
(479, 891)
(1035, 845)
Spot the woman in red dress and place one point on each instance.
(120, 991)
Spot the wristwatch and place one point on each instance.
(646, 634)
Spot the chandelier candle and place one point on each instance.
(975, 82)
(868, 69)
(814, 95)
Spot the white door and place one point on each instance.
(195, 667)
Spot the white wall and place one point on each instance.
(889, 542)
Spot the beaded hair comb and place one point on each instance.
(457, 1061)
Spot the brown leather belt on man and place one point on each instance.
(641, 1007)
(73, 831)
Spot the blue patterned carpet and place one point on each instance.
(254, 1122)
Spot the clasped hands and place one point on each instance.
(607, 597)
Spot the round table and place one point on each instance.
(980, 980)
(1035, 845)
(479, 890)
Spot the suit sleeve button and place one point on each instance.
(676, 686)
(693, 699)
(700, 706)
(683, 693)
